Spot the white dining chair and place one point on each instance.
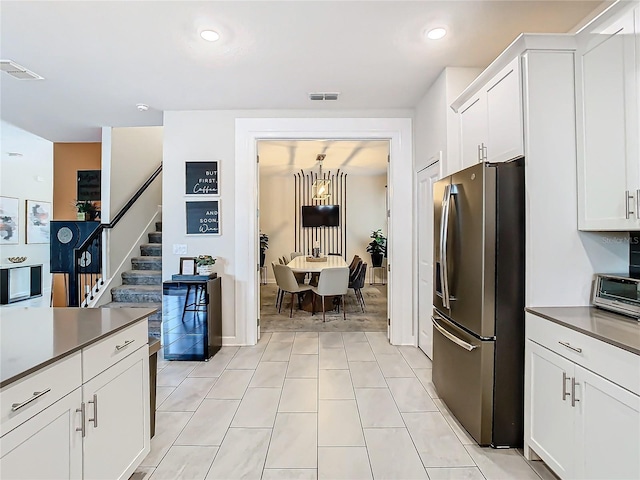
(332, 282)
(296, 254)
(288, 284)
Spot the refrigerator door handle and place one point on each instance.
(461, 343)
(449, 192)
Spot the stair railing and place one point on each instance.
(87, 277)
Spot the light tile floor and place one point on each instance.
(315, 406)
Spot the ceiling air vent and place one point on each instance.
(18, 71)
(324, 96)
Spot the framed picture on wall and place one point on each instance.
(203, 218)
(9, 226)
(38, 216)
(202, 178)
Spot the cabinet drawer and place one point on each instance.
(608, 361)
(101, 355)
(57, 380)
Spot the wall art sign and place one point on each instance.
(89, 182)
(202, 178)
(203, 218)
(38, 217)
(9, 221)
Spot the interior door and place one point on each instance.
(426, 179)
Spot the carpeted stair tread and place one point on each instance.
(155, 237)
(133, 293)
(142, 277)
(151, 249)
(149, 262)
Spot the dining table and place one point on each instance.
(314, 266)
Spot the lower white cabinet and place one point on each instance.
(581, 424)
(98, 431)
(46, 447)
(117, 415)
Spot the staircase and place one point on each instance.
(142, 286)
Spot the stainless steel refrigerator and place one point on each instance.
(478, 314)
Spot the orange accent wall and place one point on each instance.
(68, 158)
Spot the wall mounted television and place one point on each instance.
(321, 215)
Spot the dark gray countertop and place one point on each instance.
(618, 330)
(31, 338)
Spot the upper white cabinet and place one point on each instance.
(607, 86)
(491, 120)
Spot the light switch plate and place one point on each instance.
(179, 249)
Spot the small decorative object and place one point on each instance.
(16, 259)
(202, 178)
(205, 264)
(8, 221)
(264, 246)
(38, 216)
(187, 266)
(377, 247)
(87, 210)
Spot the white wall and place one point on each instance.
(210, 135)
(365, 207)
(130, 156)
(29, 176)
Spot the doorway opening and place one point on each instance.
(329, 195)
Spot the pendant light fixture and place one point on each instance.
(321, 186)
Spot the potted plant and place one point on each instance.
(264, 245)
(87, 210)
(205, 264)
(377, 247)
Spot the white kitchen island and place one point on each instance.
(74, 393)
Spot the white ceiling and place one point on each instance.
(101, 58)
(286, 157)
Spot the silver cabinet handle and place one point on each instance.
(95, 410)
(82, 411)
(17, 406)
(568, 345)
(124, 345)
(479, 153)
(638, 204)
(484, 152)
(628, 211)
(461, 343)
(573, 392)
(565, 394)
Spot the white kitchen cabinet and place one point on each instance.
(491, 122)
(580, 423)
(84, 416)
(608, 433)
(47, 446)
(117, 402)
(473, 130)
(552, 420)
(607, 85)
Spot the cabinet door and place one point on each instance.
(608, 429)
(473, 128)
(505, 134)
(117, 418)
(607, 127)
(47, 446)
(551, 416)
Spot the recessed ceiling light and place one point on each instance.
(142, 107)
(210, 35)
(436, 33)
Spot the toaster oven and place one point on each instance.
(618, 294)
